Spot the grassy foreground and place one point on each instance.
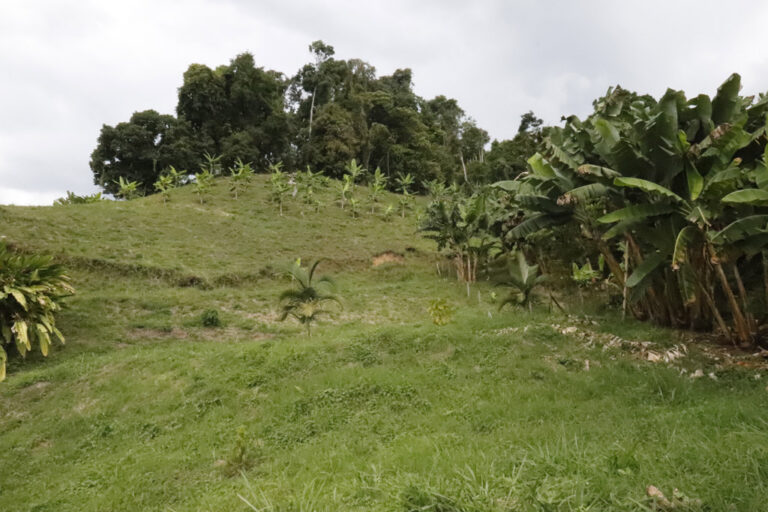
(146, 409)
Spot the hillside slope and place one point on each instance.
(146, 409)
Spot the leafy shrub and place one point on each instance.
(31, 289)
(73, 198)
(440, 311)
(210, 318)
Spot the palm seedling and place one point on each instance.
(354, 170)
(212, 164)
(306, 299)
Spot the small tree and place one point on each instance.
(164, 184)
(242, 174)
(404, 183)
(127, 189)
(203, 184)
(305, 300)
(31, 289)
(345, 189)
(309, 182)
(212, 164)
(355, 171)
(278, 181)
(178, 178)
(521, 277)
(378, 187)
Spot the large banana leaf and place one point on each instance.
(535, 223)
(685, 240)
(541, 167)
(741, 229)
(636, 212)
(645, 269)
(750, 196)
(726, 102)
(647, 186)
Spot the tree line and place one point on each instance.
(331, 111)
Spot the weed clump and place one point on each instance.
(210, 318)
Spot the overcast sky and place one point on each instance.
(69, 66)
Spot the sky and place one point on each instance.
(69, 66)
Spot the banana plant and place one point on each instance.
(355, 170)
(378, 187)
(279, 186)
(164, 184)
(127, 189)
(203, 184)
(515, 273)
(345, 189)
(241, 176)
(404, 184)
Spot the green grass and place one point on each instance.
(147, 409)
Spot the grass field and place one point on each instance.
(380, 410)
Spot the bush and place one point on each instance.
(31, 289)
(210, 318)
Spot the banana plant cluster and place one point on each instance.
(673, 193)
(463, 227)
(31, 288)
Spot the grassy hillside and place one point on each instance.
(146, 409)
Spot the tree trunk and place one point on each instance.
(311, 112)
(463, 167)
(740, 323)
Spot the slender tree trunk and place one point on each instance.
(740, 323)
(311, 113)
(743, 296)
(625, 289)
(463, 167)
(716, 313)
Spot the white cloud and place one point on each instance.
(70, 66)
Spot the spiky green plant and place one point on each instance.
(520, 277)
(355, 170)
(306, 299)
(279, 186)
(378, 187)
(127, 189)
(164, 184)
(241, 176)
(404, 184)
(31, 289)
(203, 184)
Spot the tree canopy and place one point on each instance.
(329, 112)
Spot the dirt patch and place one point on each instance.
(387, 257)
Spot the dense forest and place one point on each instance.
(330, 112)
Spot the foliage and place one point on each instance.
(513, 271)
(31, 290)
(440, 311)
(127, 189)
(164, 184)
(73, 198)
(241, 176)
(210, 318)
(203, 184)
(679, 183)
(378, 186)
(279, 186)
(305, 300)
(404, 184)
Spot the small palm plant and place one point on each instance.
(305, 301)
(203, 184)
(378, 187)
(127, 189)
(164, 184)
(178, 178)
(521, 277)
(309, 182)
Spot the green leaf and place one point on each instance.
(695, 181)
(19, 298)
(645, 269)
(541, 167)
(726, 102)
(751, 196)
(3, 359)
(647, 186)
(685, 239)
(636, 212)
(741, 229)
(686, 281)
(596, 170)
